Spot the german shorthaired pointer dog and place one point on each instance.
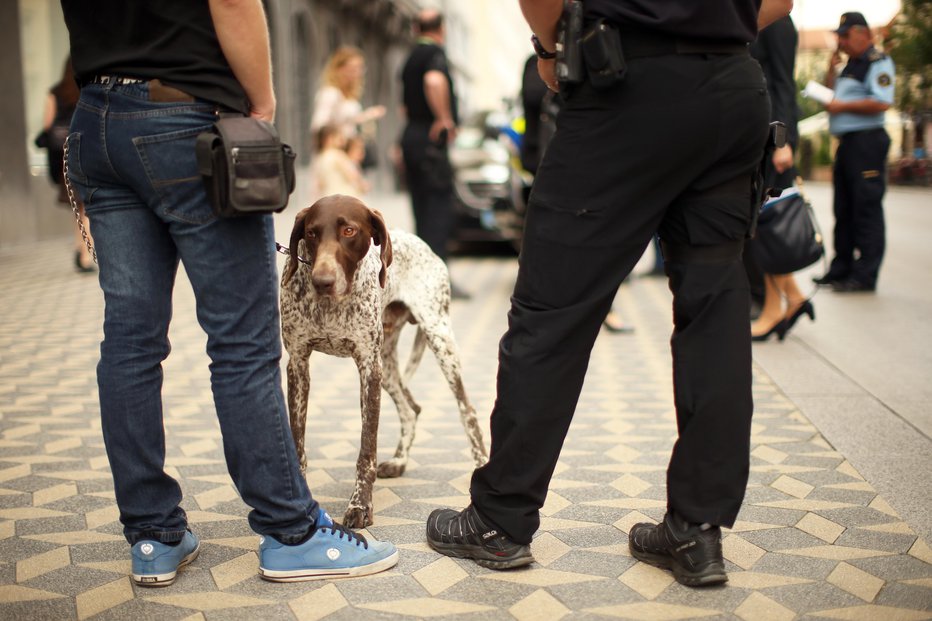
(351, 299)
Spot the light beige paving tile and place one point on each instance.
(921, 551)
(51, 494)
(845, 467)
(549, 523)
(742, 526)
(873, 613)
(64, 444)
(546, 549)
(7, 529)
(623, 453)
(439, 575)
(30, 513)
(75, 537)
(630, 485)
(896, 528)
(78, 475)
(554, 504)
(653, 611)
(757, 580)
(15, 472)
(647, 581)
(741, 552)
(250, 542)
(806, 504)
(318, 604)
(759, 606)
(40, 564)
(883, 506)
(12, 593)
(235, 570)
(425, 607)
(631, 518)
(855, 581)
(791, 486)
(820, 527)
(855, 486)
(541, 577)
(104, 598)
(539, 606)
(628, 503)
(768, 454)
(216, 496)
(124, 567)
(837, 553)
(209, 600)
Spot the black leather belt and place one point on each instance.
(157, 90)
(639, 44)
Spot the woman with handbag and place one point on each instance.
(784, 303)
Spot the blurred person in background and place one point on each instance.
(863, 93)
(430, 107)
(56, 120)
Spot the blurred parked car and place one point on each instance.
(490, 188)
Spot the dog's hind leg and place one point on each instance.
(408, 409)
(417, 352)
(299, 383)
(441, 342)
(359, 512)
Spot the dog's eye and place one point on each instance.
(349, 231)
(311, 235)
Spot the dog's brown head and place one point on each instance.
(337, 231)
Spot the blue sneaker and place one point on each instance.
(331, 552)
(156, 564)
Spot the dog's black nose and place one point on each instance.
(324, 284)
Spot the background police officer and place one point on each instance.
(863, 92)
(670, 144)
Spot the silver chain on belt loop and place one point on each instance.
(74, 204)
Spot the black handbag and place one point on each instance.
(788, 236)
(245, 166)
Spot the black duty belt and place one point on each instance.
(637, 44)
(113, 79)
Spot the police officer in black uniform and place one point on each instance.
(863, 92)
(669, 142)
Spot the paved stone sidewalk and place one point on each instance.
(814, 540)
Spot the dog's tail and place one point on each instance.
(417, 352)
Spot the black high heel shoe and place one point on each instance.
(805, 308)
(778, 328)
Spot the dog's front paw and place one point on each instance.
(358, 517)
(392, 468)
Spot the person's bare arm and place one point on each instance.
(543, 16)
(48, 114)
(858, 106)
(772, 10)
(437, 93)
(244, 37)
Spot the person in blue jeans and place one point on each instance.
(153, 76)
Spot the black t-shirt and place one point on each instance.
(720, 20)
(172, 40)
(424, 57)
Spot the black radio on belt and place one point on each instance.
(601, 48)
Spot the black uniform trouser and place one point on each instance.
(860, 182)
(432, 205)
(669, 149)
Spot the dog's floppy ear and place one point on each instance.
(383, 241)
(296, 234)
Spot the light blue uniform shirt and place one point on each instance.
(872, 76)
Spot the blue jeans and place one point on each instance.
(132, 162)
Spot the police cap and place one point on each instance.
(849, 20)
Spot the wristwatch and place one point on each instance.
(539, 49)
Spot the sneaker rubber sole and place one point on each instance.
(166, 579)
(481, 556)
(710, 576)
(307, 574)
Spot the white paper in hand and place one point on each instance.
(819, 92)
